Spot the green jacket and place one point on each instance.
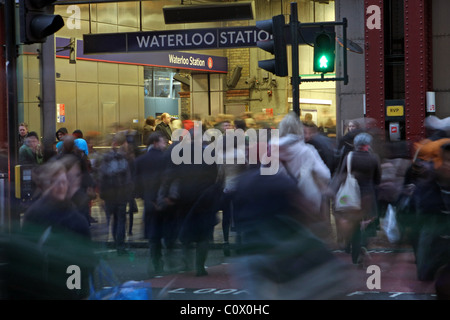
(27, 156)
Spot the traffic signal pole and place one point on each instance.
(293, 23)
(48, 89)
(13, 118)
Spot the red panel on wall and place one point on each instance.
(374, 61)
(418, 76)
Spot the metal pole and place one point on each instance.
(295, 67)
(13, 125)
(344, 31)
(48, 90)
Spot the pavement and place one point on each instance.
(396, 263)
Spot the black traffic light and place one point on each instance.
(324, 52)
(37, 20)
(276, 46)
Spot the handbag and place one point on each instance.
(348, 196)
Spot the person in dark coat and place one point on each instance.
(197, 204)
(345, 144)
(148, 174)
(366, 168)
(323, 144)
(164, 127)
(148, 129)
(277, 248)
(54, 236)
(116, 186)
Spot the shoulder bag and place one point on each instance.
(348, 196)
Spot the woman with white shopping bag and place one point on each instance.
(352, 223)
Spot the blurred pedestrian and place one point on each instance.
(23, 131)
(301, 162)
(345, 144)
(188, 123)
(88, 184)
(280, 258)
(79, 182)
(54, 236)
(116, 185)
(30, 153)
(149, 170)
(323, 144)
(198, 203)
(432, 209)
(355, 227)
(80, 142)
(232, 166)
(60, 134)
(148, 129)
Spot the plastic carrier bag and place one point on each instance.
(390, 226)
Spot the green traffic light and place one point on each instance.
(323, 62)
(324, 52)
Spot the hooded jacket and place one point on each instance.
(303, 163)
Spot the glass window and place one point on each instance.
(160, 83)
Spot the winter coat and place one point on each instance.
(115, 183)
(366, 168)
(54, 236)
(165, 130)
(302, 162)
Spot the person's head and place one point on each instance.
(353, 125)
(119, 139)
(291, 124)
(52, 179)
(68, 144)
(310, 130)
(61, 133)
(240, 124)
(165, 117)
(150, 121)
(77, 134)
(32, 140)
(225, 125)
(157, 141)
(308, 117)
(362, 141)
(23, 129)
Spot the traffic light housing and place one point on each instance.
(37, 20)
(276, 46)
(324, 52)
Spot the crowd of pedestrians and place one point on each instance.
(285, 222)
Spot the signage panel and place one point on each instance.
(169, 59)
(186, 39)
(170, 40)
(394, 111)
